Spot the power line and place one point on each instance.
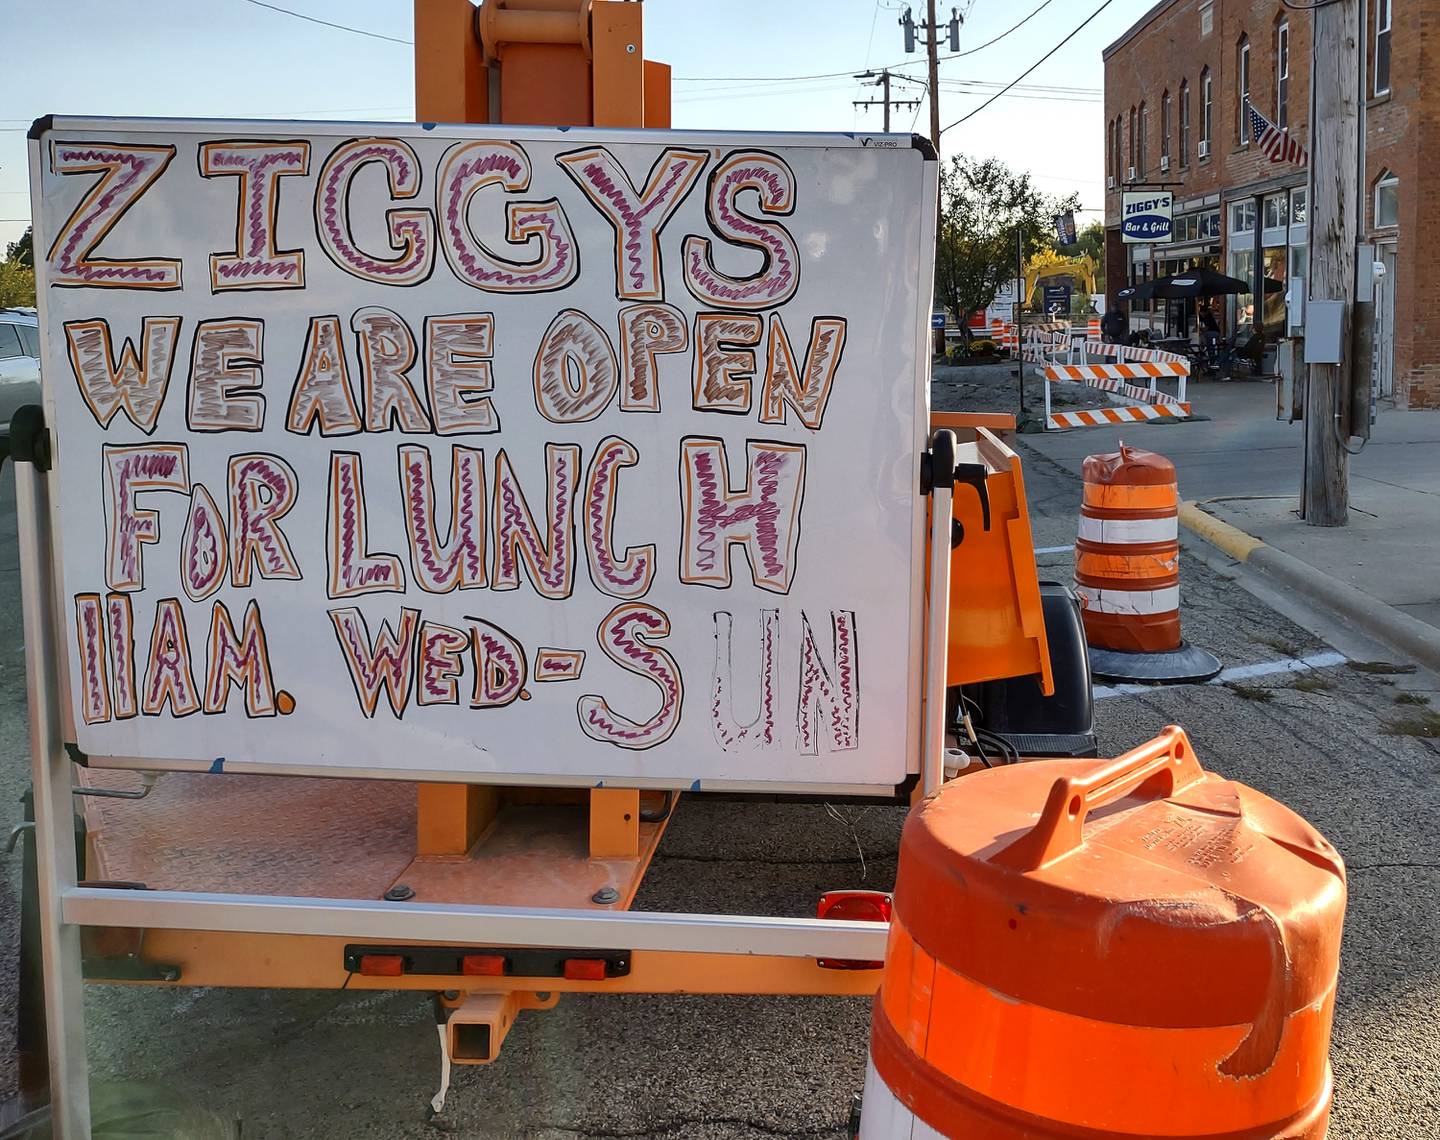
(837, 74)
(329, 24)
(1032, 67)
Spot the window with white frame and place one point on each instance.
(1298, 202)
(1387, 201)
(1282, 75)
(1242, 217)
(1242, 91)
(1277, 211)
(1207, 17)
(1132, 141)
(1205, 107)
(1381, 69)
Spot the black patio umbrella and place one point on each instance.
(1142, 292)
(1204, 282)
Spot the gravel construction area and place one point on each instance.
(994, 388)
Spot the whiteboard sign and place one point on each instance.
(477, 452)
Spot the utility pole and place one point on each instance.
(882, 81)
(931, 28)
(1334, 201)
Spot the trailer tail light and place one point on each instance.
(585, 969)
(483, 965)
(382, 965)
(853, 906)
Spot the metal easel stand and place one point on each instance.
(56, 871)
(65, 906)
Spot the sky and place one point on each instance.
(243, 59)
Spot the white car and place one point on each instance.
(19, 362)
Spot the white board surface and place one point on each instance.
(488, 452)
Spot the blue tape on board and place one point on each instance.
(219, 765)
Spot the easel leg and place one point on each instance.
(54, 831)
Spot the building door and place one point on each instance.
(1385, 327)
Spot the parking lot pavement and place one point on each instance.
(1333, 743)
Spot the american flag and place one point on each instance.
(1274, 142)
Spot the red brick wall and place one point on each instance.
(1403, 137)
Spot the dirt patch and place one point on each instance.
(1250, 692)
(1424, 723)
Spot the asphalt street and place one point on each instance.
(1331, 743)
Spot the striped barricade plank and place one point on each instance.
(1100, 417)
(1133, 352)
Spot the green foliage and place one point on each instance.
(983, 203)
(23, 250)
(17, 284)
(1089, 242)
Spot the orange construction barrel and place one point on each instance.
(1104, 949)
(1127, 570)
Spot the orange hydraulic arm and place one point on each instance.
(547, 63)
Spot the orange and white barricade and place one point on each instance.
(1127, 571)
(1118, 382)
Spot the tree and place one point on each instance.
(1089, 242)
(983, 203)
(23, 251)
(17, 284)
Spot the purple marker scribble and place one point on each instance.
(619, 637)
(459, 561)
(120, 650)
(715, 516)
(146, 466)
(255, 520)
(630, 218)
(410, 234)
(497, 658)
(168, 667)
(202, 555)
(437, 669)
(387, 663)
(838, 694)
(94, 683)
(136, 167)
(468, 253)
(778, 279)
(515, 526)
(601, 489)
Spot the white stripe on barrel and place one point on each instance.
(1129, 530)
(1161, 601)
(882, 1117)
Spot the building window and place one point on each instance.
(1205, 108)
(1207, 18)
(1242, 92)
(1110, 149)
(1382, 47)
(1282, 75)
(1165, 130)
(1277, 211)
(1184, 123)
(1297, 206)
(1141, 158)
(1387, 201)
(1119, 174)
(1131, 172)
(1242, 217)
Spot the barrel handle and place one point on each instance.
(1168, 760)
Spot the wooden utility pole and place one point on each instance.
(1334, 200)
(882, 81)
(932, 53)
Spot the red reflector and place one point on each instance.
(585, 969)
(382, 965)
(483, 965)
(853, 906)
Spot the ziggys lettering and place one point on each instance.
(451, 510)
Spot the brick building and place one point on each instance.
(1176, 85)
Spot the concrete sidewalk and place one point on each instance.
(1244, 468)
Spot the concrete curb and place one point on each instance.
(1399, 631)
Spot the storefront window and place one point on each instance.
(1276, 268)
(1239, 310)
(1297, 207)
(1242, 218)
(1277, 211)
(1210, 225)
